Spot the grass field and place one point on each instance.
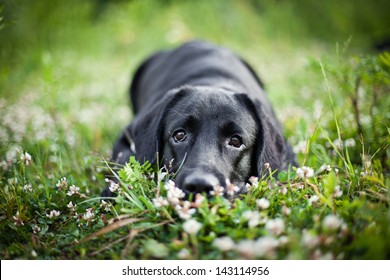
(65, 69)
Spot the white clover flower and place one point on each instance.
(337, 192)
(305, 172)
(300, 147)
(275, 226)
(254, 180)
(262, 203)
(53, 214)
(36, 229)
(27, 188)
(312, 200)
(338, 144)
(114, 187)
(246, 248)
(265, 246)
(350, 142)
(174, 194)
(309, 240)
(199, 199)
(326, 167)
(217, 190)
(106, 206)
(231, 189)
(184, 254)
(332, 222)
(88, 215)
(62, 184)
(25, 158)
(160, 202)
(224, 243)
(4, 165)
(169, 185)
(253, 218)
(71, 206)
(285, 210)
(17, 220)
(185, 212)
(12, 181)
(73, 190)
(192, 226)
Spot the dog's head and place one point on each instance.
(209, 137)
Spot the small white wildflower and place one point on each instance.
(262, 203)
(253, 218)
(73, 190)
(286, 211)
(174, 195)
(283, 240)
(199, 199)
(160, 202)
(266, 165)
(192, 226)
(317, 255)
(106, 206)
(283, 191)
(336, 170)
(265, 246)
(326, 167)
(62, 184)
(185, 212)
(338, 144)
(350, 142)
(184, 254)
(17, 220)
(72, 207)
(25, 158)
(114, 187)
(300, 147)
(246, 248)
(36, 229)
(275, 226)
(4, 165)
(12, 181)
(309, 240)
(305, 172)
(169, 185)
(53, 214)
(27, 188)
(231, 189)
(88, 215)
(337, 192)
(224, 243)
(332, 222)
(34, 254)
(254, 181)
(217, 190)
(312, 200)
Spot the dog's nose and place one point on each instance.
(198, 183)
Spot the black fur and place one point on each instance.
(214, 98)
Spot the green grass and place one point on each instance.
(65, 69)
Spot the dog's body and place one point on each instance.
(203, 109)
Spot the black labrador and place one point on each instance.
(202, 110)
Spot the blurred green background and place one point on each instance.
(74, 59)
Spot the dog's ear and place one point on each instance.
(272, 147)
(145, 130)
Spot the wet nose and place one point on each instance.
(198, 183)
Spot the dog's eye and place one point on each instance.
(179, 136)
(235, 141)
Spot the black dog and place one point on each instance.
(202, 110)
